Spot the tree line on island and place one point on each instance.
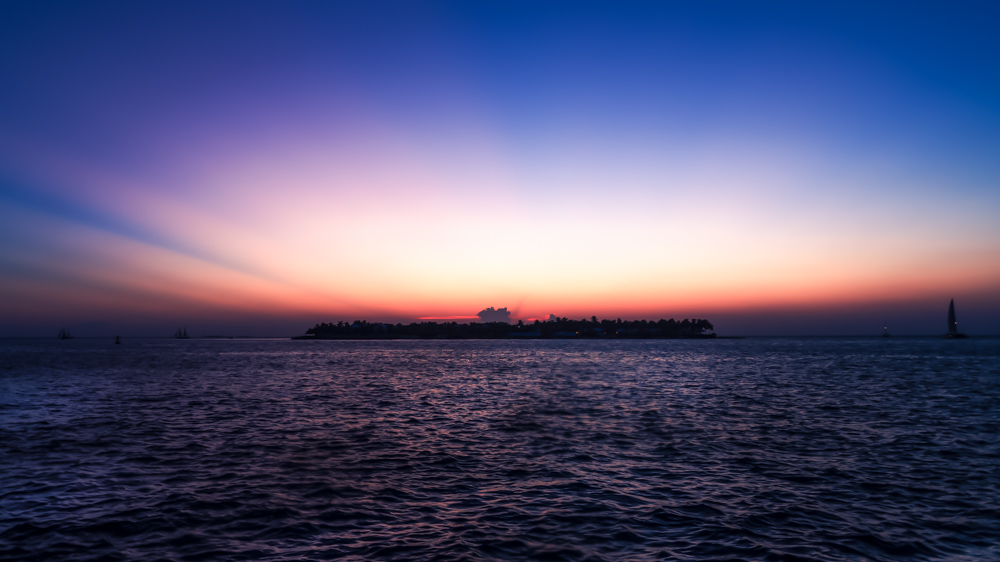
(554, 328)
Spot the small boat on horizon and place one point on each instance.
(885, 330)
(953, 332)
(64, 334)
(181, 334)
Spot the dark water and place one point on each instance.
(758, 449)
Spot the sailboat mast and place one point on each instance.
(952, 324)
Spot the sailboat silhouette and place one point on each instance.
(953, 332)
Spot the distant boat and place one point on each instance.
(953, 332)
(181, 334)
(118, 340)
(885, 331)
(64, 334)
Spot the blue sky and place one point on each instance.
(299, 162)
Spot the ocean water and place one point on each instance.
(756, 449)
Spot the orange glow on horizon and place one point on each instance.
(287, 235)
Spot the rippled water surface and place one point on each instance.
(757, 449)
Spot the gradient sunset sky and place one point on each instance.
(244, 167)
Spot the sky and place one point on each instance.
(785, 168)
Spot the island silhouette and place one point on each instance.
(553, 328)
